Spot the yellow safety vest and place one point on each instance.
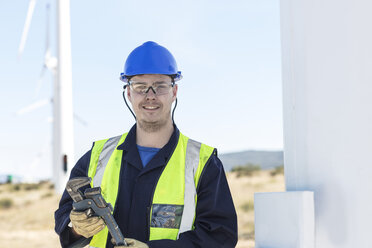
(174, 200)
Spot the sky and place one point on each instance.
(230, 96)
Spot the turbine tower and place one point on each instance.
(327, 61)
(63, 143)
(63, 139)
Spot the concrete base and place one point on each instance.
(284, 219)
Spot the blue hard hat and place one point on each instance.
(150, 58)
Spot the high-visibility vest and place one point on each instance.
(174, 199)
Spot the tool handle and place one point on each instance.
(106, 215)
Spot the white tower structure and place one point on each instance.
(63, 144)
(327, 96)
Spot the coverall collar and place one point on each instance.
(131, 154)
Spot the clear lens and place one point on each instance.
(160, 88)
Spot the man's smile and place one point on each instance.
(150, 107)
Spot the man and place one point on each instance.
(167, 190)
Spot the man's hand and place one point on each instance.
(85, 225)
(133, 243)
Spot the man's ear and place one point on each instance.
(174, 90)
(129, 94)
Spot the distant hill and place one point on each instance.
(266, 159)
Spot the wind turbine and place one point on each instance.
(63, 143)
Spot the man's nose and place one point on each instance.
(150, 93)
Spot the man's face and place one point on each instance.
(152, 110)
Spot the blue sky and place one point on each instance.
(228, 51)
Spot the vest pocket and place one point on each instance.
(166, 216)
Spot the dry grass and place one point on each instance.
(29, 220)
(242, 190)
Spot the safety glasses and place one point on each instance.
(142, 88)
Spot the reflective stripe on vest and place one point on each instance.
(105, 163)
(103, 158)
(174, 200)
(191, 166)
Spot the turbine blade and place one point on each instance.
(40, 82)
(49, 61)
(37, 159)
(30, 12)
(33, 106)
(79, 119)
(47, 38)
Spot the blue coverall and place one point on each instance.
(215, 222)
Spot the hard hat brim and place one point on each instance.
(176, 77)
